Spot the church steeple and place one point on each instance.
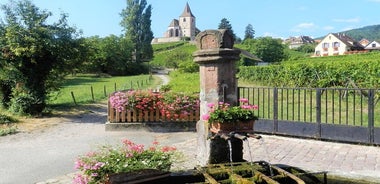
(187, 11)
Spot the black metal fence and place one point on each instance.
(339, 114)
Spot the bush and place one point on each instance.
(25, 103)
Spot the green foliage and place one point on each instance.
(370, 33)
(8, 130)
(225, 24)
(338, 71)
(224, 113)
(4, 119)
(249, 32)
(34, 53)
(266, 48)
(111, 55)
(25, 103)
(136, 22)
(166, 46)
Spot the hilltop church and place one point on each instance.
(181, 28)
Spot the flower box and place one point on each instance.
(239, 126)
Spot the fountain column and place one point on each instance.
(217, 68)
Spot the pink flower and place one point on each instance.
(79, 164)
(243, 100)
(80, 179)
(210, 105)
(206, 117)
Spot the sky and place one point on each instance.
(275, 18)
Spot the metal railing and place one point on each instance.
(324, 107)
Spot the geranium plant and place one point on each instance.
(225, 113)
(96, 166)
(170, 105)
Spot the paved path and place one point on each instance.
(348, 160)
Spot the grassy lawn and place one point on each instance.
(90, 88)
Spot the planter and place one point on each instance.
(239, 126)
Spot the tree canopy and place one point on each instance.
(266, 48)
(33, 55)
(249, 32)
(225, 24)
(137, 24)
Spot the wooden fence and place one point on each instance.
(131, 116)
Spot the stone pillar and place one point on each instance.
(217, 68)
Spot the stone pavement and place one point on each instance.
(349, 160)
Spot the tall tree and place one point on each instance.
(33, 54)
(137, 24)
(249, 32)
(225, 24)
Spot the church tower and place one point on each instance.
(187, 23)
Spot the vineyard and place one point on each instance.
(357, 71)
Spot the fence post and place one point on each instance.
(371, 116)
(92, 94)
(72, 95)
(115, 86)
(105, 90)
(318, 111)
(275, 109)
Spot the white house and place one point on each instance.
(336, 44)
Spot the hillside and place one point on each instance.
(368, 32)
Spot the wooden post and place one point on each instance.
(92, 94)
(72, 95)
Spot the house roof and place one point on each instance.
(174, 23)
(347, 40)
(299, 39)
(187, 11)
(249, 55)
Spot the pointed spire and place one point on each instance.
(187, 11)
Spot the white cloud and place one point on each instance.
(273, 35)
(304, 26)
(347, 28)
(348, 20)
(328, 28)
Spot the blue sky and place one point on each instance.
(276, 18)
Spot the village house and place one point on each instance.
(295, 42)
(180, 29)
(374, 45)
(337, 44)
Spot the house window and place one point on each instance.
(336, 44)
(374, 45)
(325, 45)
(184, 19)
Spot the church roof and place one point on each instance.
(174, 23)
(187, 11)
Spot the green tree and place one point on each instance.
(249, 32)
(266, 48)
(34, 54)
(225, 24)
(137, 24)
